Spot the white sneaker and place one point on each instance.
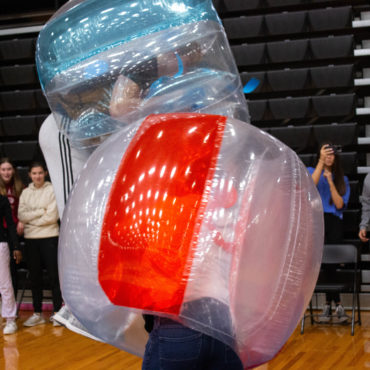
(325, 315)
(341, 314)
(35, 319)
(55, 322)
(10, 327)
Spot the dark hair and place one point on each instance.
(16, 181)
(37, 164)
(337, 170)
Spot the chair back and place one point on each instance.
(339, 253)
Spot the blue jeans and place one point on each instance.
(172, 346)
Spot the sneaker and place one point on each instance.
(35, 319)
(341, 315)
(55, 322)
(325, 314)
(10, 327)
(65, 317)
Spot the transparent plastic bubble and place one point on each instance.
(200, 218)
(105, 64)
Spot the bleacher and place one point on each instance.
(311, 58)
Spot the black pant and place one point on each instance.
(41, 252)
(333, 235)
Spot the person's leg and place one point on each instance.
(35, 272)
(13, 273)
(49, 253)
(222, 357)
(172, 346)
(8, 307)
(333, 229)
(333, 235)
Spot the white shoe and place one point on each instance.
(341, 314)
(35, 319)
(10, 327)
(55, 322)
(325, 315)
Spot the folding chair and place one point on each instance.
(340, 254)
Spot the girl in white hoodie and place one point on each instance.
(39, 214)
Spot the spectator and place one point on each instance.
(38, 211)
(8, 307)
(334, 189)
(365, 214)
(11, 186)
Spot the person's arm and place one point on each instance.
(50, 214)
(335, 196)
(365, 214)
(20, 228)
(25, 213)
(324, 151)
(12, 232)
(125, 97)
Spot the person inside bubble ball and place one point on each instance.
(138, 81)
(208, 302)
(118, 94)
(334, 190)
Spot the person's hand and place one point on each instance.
(328, 175)
(362, 235)
(17, 255)
(324, 151)
(20, 228)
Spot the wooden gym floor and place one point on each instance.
(47, 347)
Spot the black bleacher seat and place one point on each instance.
(343, 134)
(330, 18)
(351, 220)
(349, 162)
(287, 50)
(308, 159)
(260, 76)
(244, 27)
(249, 54)
(286, 23)
(40, 118)
(332, 47)
(18, 75)
(17, 49)
(232, 5)
(257, 109)
(283, 108)
(332, 76)
(22, 100)
(334, 105)
(17, 100)
(355, 193)
(297, 138)
(21, 125)
(23, 173)
(288, 79)
(20, 151)
(41, 101)
(272, 3)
